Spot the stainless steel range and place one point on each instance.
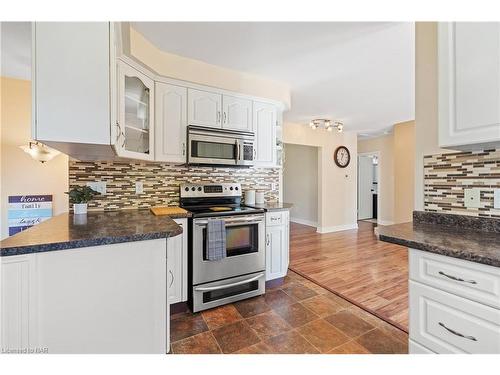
(241, 273)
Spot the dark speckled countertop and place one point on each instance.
(468, 238)
(67, 231)
(272, 206)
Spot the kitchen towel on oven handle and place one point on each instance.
(216, 240)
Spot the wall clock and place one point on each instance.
(342, 156)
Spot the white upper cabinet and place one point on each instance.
(135, 119)
(469, 85)
(236, 113)
(204, 108)
(71, 84)
(264, 126)
(170, 123)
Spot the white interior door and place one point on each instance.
(365, 183)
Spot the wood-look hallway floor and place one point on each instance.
(357, 266)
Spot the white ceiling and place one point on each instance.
(15, 42)
(361, 73)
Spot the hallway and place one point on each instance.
(355, 265)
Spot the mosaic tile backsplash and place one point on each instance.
(447, 175)
(161, 181)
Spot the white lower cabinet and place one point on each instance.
(178, 265)
(415, 348)
(453, 305)
(277, 244)
(100, 299)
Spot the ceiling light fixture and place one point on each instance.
(39, 151)
(326, 124)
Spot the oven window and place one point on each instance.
(213, 150)
(215, 295)
(240, 239)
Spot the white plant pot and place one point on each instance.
(80, 208)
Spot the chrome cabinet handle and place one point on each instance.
(119, 131)
(457, 278)
(183, 148)
(171, 274)
(218, 117)
(472, 338)
(268, 241)
(254, 153)
(225, 118)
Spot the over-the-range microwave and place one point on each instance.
(209, 146)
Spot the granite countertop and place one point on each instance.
(271, 206)
(67, 231)
(468, 238)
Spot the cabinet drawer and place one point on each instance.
(478, 282)
(275, 218)
(445, 323)
(415, 348)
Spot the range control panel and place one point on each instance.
(210, 190)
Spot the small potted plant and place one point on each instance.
(79, 196)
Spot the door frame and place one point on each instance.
(379, 183)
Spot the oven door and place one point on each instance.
(206, 148)
(220, 292)
(245, 248)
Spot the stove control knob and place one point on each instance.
(193, 188)
(199, 188)
(231, 188)
(236, 188)
(186, 188)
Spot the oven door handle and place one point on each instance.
(231, 222)
(218, 287)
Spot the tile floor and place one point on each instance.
(296, 317)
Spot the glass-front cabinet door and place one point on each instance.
(135, 121)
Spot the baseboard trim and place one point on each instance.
(385, 222)
(337, 228)
(304, 222)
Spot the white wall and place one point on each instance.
(20, 174)
(426, 102)
(300, 183)
(337, 187)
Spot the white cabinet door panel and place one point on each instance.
(237, 113)
(469, 84)
(170, 123)
(264, 126)
(446, 323)
(178, 268)
(277, 246)
(71, 82)
(18, 304)
(478, 282)
(204, 108)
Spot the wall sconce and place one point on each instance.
(40, 152)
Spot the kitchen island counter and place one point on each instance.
(68, 231)
(468, 238)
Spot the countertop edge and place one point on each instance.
(440, 250)
(78, 244)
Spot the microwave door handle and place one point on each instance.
(238, 151)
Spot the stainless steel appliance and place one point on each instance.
(208, 146)
(241, 274)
